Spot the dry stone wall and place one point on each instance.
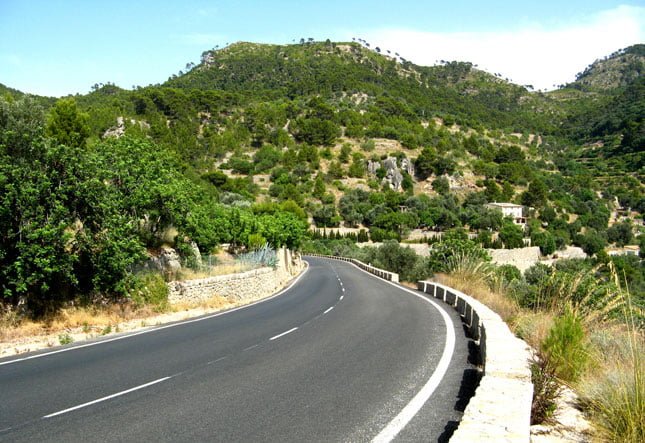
(245, 286)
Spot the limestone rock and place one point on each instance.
(393, 170)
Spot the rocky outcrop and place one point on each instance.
(167, 262)
(393, 170)
(119, 130)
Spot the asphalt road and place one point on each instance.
(336, 357)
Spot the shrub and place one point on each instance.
(545, 391)
(565, 346)
(65, 339)
(150, 289)
(509, 273)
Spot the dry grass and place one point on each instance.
(79, 323)
(478, 287)
(222, 269)
(611, 383)
(86, 319)
(533, 327)
(614, 386)
(216, 302)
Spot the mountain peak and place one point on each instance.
(614, 71)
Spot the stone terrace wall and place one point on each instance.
(500, 410)
(245, 286)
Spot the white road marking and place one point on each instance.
(343, 289)
(249, 348)
(410, 410)
(106, 398)
(215, 361)
(284, 333)
(158, 328)
(329, 309)
(341, 297)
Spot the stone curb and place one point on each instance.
(500, 410)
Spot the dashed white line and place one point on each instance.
(343, 289)
(328, 309)
(215, 361)
(341, 297)
(127, 391)
(249, 348)
(284, 333)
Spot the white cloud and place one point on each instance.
(532, 54)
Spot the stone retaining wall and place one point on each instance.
(245, 286)
(500, 410)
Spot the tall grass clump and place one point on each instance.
(614, 390)
(617, 401)
(468, 267)
(545, 391)
(565, 346)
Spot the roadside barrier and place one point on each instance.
(385, 275)
(500, 410)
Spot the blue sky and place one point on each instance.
(59, 47)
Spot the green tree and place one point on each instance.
(319, 186)
(511, 235)
(441, 185)
(620, 233)
(67, 125)
(592, 242)
(425, 163)
(357, 169)
(545, 240)
(536, 195)
(345, 151)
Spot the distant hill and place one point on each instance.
(5, 90)
(608, 113)
(292, 113)
(617, 70)
(340, 71)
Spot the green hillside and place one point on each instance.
(259, 142)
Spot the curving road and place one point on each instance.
(339, 356)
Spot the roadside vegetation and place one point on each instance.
(584, 319)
